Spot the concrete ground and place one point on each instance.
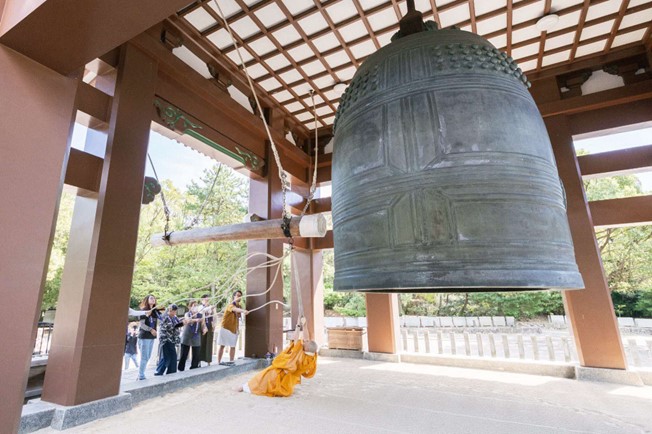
(360, 396)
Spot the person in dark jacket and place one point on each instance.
(168, 335)
(131, 341)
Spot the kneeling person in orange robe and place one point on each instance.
(298, 360)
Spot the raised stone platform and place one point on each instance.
(38, 414)
(618, 376)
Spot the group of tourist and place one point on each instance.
(194, 332)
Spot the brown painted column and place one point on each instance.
(590, 310)
(309, 266)
(382, 323)
(264, 330)
(37, 114)
(85, 361)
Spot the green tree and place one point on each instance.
(626, 252)
(58, 252)
(218, 197)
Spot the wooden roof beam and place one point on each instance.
(611, 117)
(621, 95)
(621, 162)
(630, 211)
(70, 45)
(84, 171)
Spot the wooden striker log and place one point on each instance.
(311, 226)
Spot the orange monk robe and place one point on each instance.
(285, 372)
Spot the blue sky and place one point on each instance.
(181, 164)
(175, 161)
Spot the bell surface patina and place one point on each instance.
(444, 178)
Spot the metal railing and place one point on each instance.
(552, 346)
(43, 339)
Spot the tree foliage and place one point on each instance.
(58, 251)
(171, 272)
(217, 198)
(626, 252)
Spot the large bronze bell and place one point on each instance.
(444, 178)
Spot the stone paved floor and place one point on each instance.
(359, 396)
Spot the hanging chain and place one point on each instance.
(166, 210)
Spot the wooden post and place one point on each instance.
(37, 114)
(383, 323)
(309, 271)
(590, 310)
(85, 362)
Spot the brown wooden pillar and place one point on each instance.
(382, 323)
(85, 361)
(37, 115)
(309, 266)
(590, 310)
(264, 330)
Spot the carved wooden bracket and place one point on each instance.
(171, 39)
(573, 82)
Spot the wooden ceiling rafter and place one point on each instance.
(288, 56)
(263, 64)
(233, 18)
(349, 55)
(435, 13)
(585, 42)
(552, 51)
(580, 28)
(596, 21)
(323, 32)
(207, 52)
(365, 21)
(499, 12)
(542, 39)
(647, 38)
(510, 19)
(616, 25)
(474, 27)
(397, 10)
(336, 32)
(278, 26)
(525, 24)
(319, 56)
